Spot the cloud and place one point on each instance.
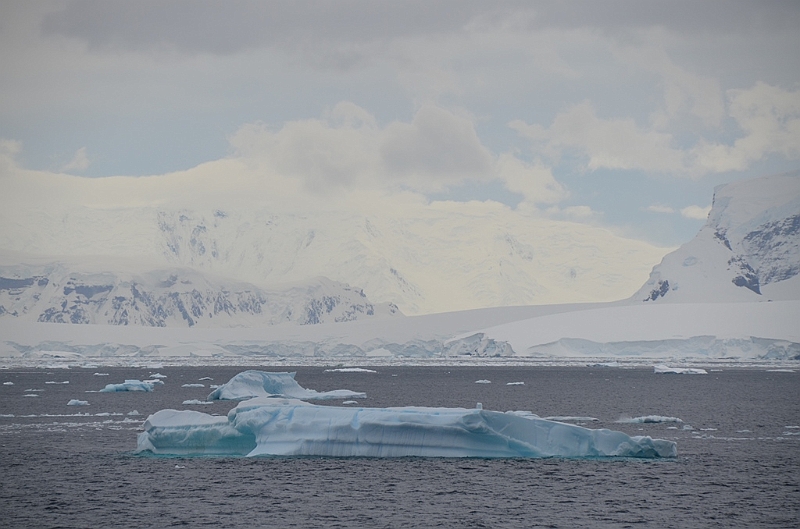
(658, 208)
(80, 162)
(768, 119)
(605, 143)
(696, 212)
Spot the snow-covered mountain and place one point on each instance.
(176, 297)
(438, 258)
(748, 250)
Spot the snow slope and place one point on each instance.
(748, 250)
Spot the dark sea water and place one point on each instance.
(738, 461)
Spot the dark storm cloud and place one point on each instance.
(227, 27)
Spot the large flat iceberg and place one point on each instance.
(250, 384)
(268, 426)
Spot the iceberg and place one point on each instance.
(666, 370)
(130, 385)
(250, 384)
(270, 426)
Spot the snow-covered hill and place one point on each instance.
(176, 297)
(748, 250)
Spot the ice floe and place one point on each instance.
(570, 418)
(515, 383)
(648, 419)
(350, 370)
(193, 386)
(483, 381)
(76, 402)
(249, 384)
(666, 370)
(267, 426)
(195, 402)
(130, 385)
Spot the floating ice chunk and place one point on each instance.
(54, 382)
(780, 370)
(193, 386)
(290, 427)
(648, 419)
(515, 383)
(483, 381)
(133, 413)
(665, 370)
(129, 385)
(197, 402)
(348, 402)
(154, 382)
(30, 395)
(76, 402)
(158, 375)
(101, 374)
(604, 364)
(570, 418)
(350, 370)
(205, 378)
(8, 383)
(249, 384)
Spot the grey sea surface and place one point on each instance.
(738, 461)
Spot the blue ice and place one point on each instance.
(249, 384)
(269, 426)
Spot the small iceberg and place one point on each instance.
(666, 370)
(193, 386)
(268, 426)
(250, 384)
(648, 419)
(483, 381)
(130, 385)
(76, 402)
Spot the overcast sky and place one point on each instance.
(615, 113)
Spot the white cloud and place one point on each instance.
(606, 143)
(658, 208)
(535, 182)
(696, 212)
(80, 162)
(769, 117)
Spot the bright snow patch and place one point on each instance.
(249, 384)
(129, 385)
(665, 370)
(648, 419)
(350, 370)
(483, 381)
(76, 402)
(290, 427)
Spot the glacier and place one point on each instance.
(252, 383)
(270, 426)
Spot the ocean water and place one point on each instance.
(738, 461)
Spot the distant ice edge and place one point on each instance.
(269, 426)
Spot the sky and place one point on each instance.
(618, 114)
